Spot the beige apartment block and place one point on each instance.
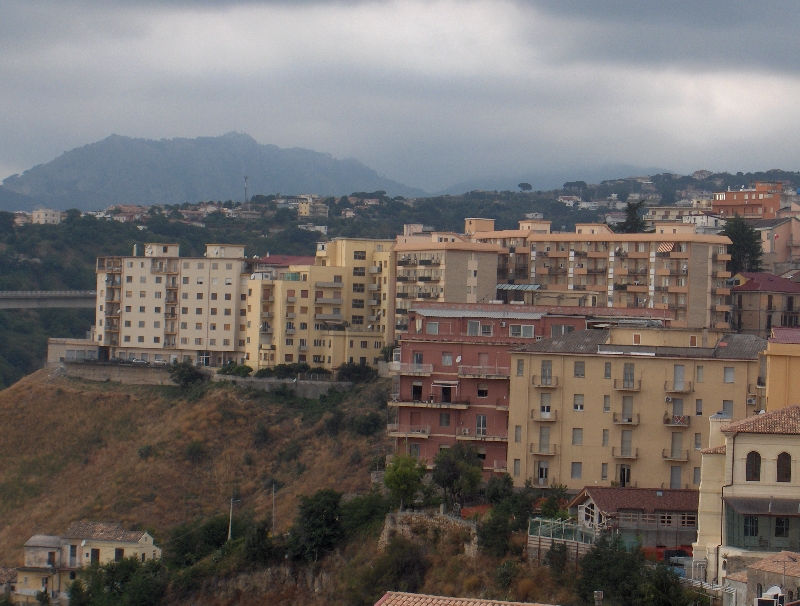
(161, 306)
(45, 216)
(340, 309)
(682, 272)
(445, 271)
(625, 406)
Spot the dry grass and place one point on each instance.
(70, 451)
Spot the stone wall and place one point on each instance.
(304, 389)
(412, 524)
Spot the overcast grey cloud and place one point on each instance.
(427, 92)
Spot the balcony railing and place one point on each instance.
(548, 450)
(669, 454)
(624, 453)
(482, 435)
(546, 381)
(328, 301)
(629, 419)
(678, 386)
(628, 384)
(677, 420)
(544, 417)
(397, 430)
(484, 371)
(406, 368)
(376, 269)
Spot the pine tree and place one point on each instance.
(745, 248)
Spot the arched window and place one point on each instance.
(784, 467)
(753, 467)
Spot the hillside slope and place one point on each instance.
(123, 170)
(150, 458)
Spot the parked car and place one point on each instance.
(139, 361)
(161, 362)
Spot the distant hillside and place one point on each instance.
(123, 170)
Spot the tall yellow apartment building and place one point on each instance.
(340, 309)
(625, 406)
(161, 306)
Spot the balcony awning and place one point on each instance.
(518, 286)
(764, 507)
(666, 247)
(444, 383)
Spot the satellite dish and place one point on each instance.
(458, 359)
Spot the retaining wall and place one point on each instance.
(409, 523)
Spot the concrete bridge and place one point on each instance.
(39, 299)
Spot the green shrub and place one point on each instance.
(356, 373)
(195, 452)
(261, 435)
(505, 574)
(368, 424)
(145, 451)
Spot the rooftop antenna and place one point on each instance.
(245, 188)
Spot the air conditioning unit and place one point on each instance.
(465, 431)
(503, 324)
(668, 399)
(751, 401)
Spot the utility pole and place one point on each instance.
(230, 519)
(273, 508)
(245, 188)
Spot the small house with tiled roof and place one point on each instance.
(399, 598)
(51, 562)
(749, 492)
(761, 301)
(781, 570)
(652, 517)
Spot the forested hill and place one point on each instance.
(123, 170)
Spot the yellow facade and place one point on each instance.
(782, 375)
(341, 309)
(625, 406)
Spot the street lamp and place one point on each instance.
(230, 520)
(784, 562)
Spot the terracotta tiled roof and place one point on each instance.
(740, 577)
(396, 598)
(8, 575)
(784, 334)
(610, 500)
(578, 342)
(784, 421)
(775, 563)
(102, 531)
(763, 282)
(715, 450)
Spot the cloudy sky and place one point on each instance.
(427, 92)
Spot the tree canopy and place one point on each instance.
(403, 478)
(633, 224)
(458, 471)
(745, 248)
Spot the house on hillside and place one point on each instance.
(52, 562)
(398, 598)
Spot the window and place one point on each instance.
(359, 255)
(358, 303)
(213, 311)
(356, 288)
(483, 390)
(665, 519)
(784, 467)
(727, 408)
(518, 433)
(577, 436)
(700, 374)
(127, 323)
(580, 369)
(605, 437)
(359, 271)
(604, 471)
(637, 338)
(728, 374)
(432, 328)
(142, 294)
(473, 328)
(486, 330)
(212, 327)
(444, 419)
(696, 475)
(128, 279)
(750, 526)
(753, 467)
(606, 403)
(628, 381)
(576, 471)
(607, 371)
(364, 344)
(782, 528)
(357, 320)
(698, 408)
(516, 467)
(198, 311)
(199, 280)
(198, 326)
(140, 339)
(447, 358)
(698, 441)
(228, 311)
(227, 296)
(577, 402)
(520, 367)
(525, 332)
(128, 308)
(480, 425)
(141, 324)
(142, 280)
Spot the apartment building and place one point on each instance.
(52, 562)
(762, 301)
(45, 216)
(437, 267)
(749, 506)
(780, 242)
(338, 307)
(161, 306)
(782, 369)
(762, 200)
(682, 272)
(625, 406)
(309, 206)
(452, 376)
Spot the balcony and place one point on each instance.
(624, 453)
(374, 287)
(722, 308)
(677, 420)
(291, 299)
(290, 331)
(482, 435)
(484, 372)
(678, 386)
(376, 269)
(373, 303)
(335, 317)
(721, 257)
(291, 315)
(328, 284)
(543, 450)
(406, 262)
(303, 348)
(620, 419)
(402, 278)
(544, 417)
(406, 368)
(669, 454)
(628, 384)
(429, 262)
(328, 301)
(545, 382)
(267, 314)
(721, 274)
(396, 402)
(499, 466)
(395, 430)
